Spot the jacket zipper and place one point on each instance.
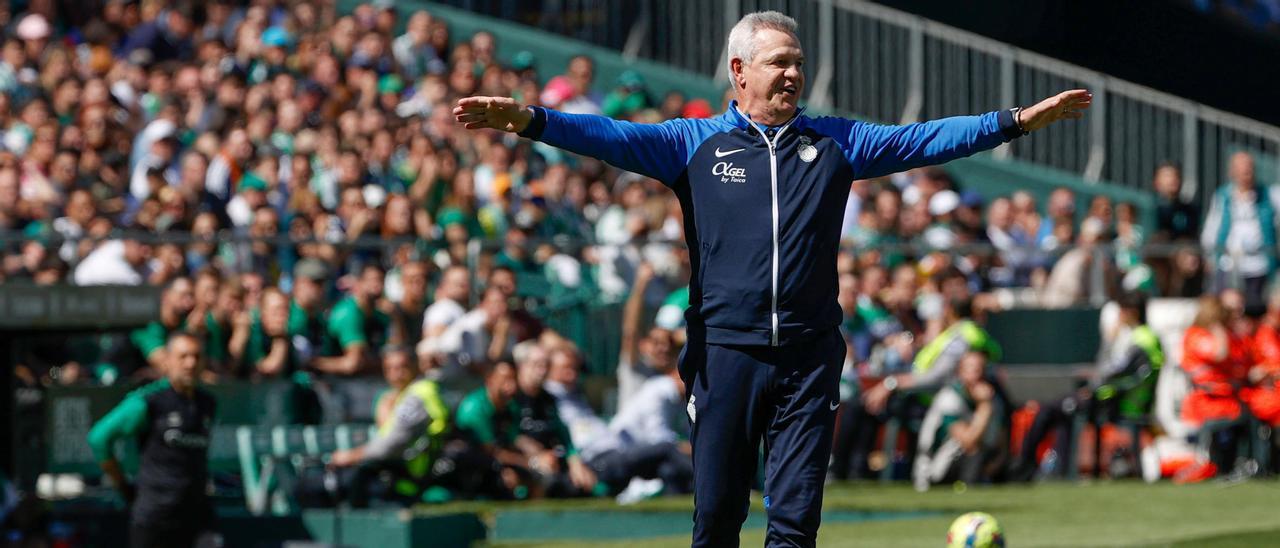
(773, 184)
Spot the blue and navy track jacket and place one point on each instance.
(763, 206)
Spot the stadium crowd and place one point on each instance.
(294, 180)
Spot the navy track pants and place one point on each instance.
(738, 395)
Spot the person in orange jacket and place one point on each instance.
(1263, 396)
(1217, 360)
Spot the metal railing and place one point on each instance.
(286, 250)
(894, 67)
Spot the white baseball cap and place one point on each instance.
(33, 27)
(943, 202)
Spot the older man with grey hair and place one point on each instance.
(763, 189)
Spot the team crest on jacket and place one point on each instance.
(807, 151)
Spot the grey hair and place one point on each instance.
(742, 39)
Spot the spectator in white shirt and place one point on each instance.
(481, 336)
(451, 295)
(585, 427)
(646, 450)
(1240, 231)
(115, 262)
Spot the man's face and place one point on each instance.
(413, 276)
(275, 312)
(371, 280)
(564, 368)
(774, 76)
(495, 304)
(502, 384)
(581, 72)
(180, 298)
(504, 281)
(306, 291)
(80, 208)
(456, 284)
(185, 364)
(396, 370)
(1168, 182)
(660, 349)
(1242, 170)
(971, 368)
(206, 290)
(533, 371)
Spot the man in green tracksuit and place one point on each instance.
(171, 420)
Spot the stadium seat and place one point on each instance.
(272, 457)
(1254, 447)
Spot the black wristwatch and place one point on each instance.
(1016, 122)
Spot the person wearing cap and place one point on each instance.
(389, 87)
(34, 31)
(115, 262)
(306, 308)
(941, 234)
(628, 98)
(763, 188)
(277, 43)
(251, 194)
(523, 61)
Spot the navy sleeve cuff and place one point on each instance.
(536, 125)
(1008, 126)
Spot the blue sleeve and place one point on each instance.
(660, 151)
(876, 150)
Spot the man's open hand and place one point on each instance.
(1068, 105)
(502, 113)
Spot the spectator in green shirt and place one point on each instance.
(356, 328)
(176, 303)
(516, 253)
(306, 315)
(219, 303)
(407, 314)
(486, 419)
(269, 350)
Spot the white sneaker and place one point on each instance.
(640, 489)
(1150, 459)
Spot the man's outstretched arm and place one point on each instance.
(653, 150)
(876, 150)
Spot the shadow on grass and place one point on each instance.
(1251, 539)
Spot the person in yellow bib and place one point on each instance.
(406, 444)
(935, 364)
(1122, 388)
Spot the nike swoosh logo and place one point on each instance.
(835, 404)
(720, 154)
